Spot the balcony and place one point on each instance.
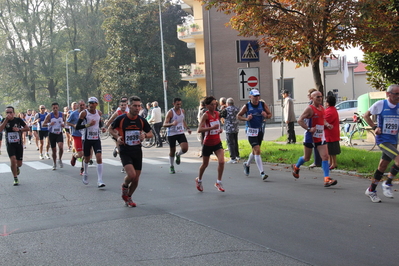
(192, 72)
(190, 31)
(332, 65)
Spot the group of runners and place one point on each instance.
(128, 129)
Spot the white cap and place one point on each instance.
(92, 99)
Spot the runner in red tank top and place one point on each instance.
(212, 144)
(315, 111)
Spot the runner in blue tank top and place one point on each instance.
(386, 131)
(256, 111)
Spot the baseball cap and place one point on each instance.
(92, 99)
(254, 92)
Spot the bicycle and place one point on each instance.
(345, 132)
(148, 143)
(362, 135)
(104, 135)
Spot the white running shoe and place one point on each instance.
(232, 161)
(85, 179)
(100, 185)
(387, 190)
(41, 157)
(61, 165)
(47, 156)
(373, 195)
(54, 167)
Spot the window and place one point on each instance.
(288, 86)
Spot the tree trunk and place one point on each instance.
(317, 78)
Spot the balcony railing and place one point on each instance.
(193, 71)
(189, 30)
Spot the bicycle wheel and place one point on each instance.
(164, 135)
(361, 138)
(104, 135)
(148, 143)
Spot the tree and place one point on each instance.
(383, 69)
(302, 31)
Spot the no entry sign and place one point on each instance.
(248, 79)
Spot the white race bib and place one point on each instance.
(319, 131)
(92, 133)
(390, 126)
(214, 131)
(252, 132)
(132, 137)
(13, 137)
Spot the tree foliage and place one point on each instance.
(383, 69)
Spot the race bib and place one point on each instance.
(390, 126)
(92, 133)
(319, 131)
(13, 137)
(132, 137)
(214, 131)
(179, 129)
(56, 130)
(252, 132)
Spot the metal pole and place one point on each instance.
(165, 82)
(66, 67)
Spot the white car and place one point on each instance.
(346, 109)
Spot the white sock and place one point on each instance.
(85, 166)
(100, 173)
(180, 153)
(259, 163)
(171, 160)
(250, 159)
(218, 181)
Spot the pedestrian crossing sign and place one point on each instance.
(247, 51)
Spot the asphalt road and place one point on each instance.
(53, 219)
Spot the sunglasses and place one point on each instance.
(92, 102)
(42, 108)
(319, 96)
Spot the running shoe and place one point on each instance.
(73, 160)
(16, 182)
(37, 148)
(54, 167)
(199, 184)
(61, 165)
(41, 157)
(90, 162)
(125, 191)
(30, 142)
(115, 152)
(47, 156)
(130, 203)
(387, 189)
(219, 187)
(263, 176)
(172, 170)
(246, 168)
(85, 179)
(100, 185)
(177, 158)
(295, 171)
(82, 170)
(232, 161)
(373, 195)
(123, 170)
(18, 171)
(328, 182)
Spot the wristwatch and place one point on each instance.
(374, 127)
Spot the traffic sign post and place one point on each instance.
(107, 98)
(248, 79)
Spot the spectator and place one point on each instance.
(289, 117)
(332, 135)
(231, 128)
(156, 120)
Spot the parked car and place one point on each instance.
(346, 109)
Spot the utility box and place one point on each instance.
(364, 101)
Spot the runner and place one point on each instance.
(76, 134)
(55, 123)
(14, 127)
(210, 124)
(312, 119)
(255, 111)
(34, 129)
(67, 129)
(28, 121)
(386, 135)
(129, 130)
(90, 120)
(120, 111)
(43, 131)
(176, 125)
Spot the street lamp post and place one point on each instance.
(66, 67)
(165, 83)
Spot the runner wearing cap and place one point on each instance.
(90, 121)
(255, 111)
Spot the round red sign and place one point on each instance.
(107, 97)
(252, 81)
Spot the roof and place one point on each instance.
(361, 68)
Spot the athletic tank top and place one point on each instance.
(179, 128)
(318, 123)
(212, 137)
(388, 121)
